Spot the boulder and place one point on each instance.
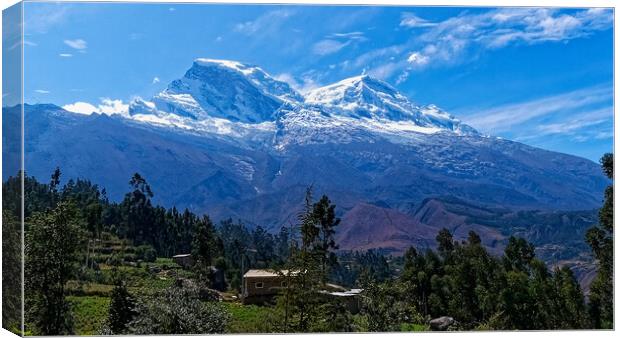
(442, 323)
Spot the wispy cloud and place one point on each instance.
(448, 40)
(65, 55)
(356, 36)
(42, 91)
(579, 116)
(335, 42)
(411, 20)
(155, 80)
(106, 106)
(265, 23)
(463, 37)
(40, 18)
(303, 85)
(584, 120)
(325, 47)
(78, 44)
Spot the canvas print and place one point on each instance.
(176, 168)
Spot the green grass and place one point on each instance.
(250, 318)
(407, 327)
(88, 313)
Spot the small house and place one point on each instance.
(261, 285)
(350, 299)
(184, 260)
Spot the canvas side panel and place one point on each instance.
(12, 183)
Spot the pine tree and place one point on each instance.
(324, 215)
(601, 240)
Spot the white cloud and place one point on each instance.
(465, 36)
(42, 91)
(107, 106)
(348, 36)
(337, 41)
(413, 21)
(219, 39)
(583, 120)
(65, 55)
(416, 58)
(508, 117)
(155, 80)
(304, 85)
(502, 27)
(81, 108)
(325, 47)
(78, 44)
(41, 18)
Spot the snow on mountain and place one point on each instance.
(221, 98)
(221, 89)
(364, 97)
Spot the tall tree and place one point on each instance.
(52, 242)
(299, 301)
(601, 240)
(324, 214)
(204, 246)
(138, 211)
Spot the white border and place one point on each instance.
(471, 3)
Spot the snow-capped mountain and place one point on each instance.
(221, 88)
(229, 140)
(231, 99)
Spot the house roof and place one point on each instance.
(350, 293)
(266, 273)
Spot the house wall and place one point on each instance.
(270, 285)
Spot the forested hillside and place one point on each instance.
(97, 266)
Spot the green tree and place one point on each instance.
(601, 240)
(122, 308)
(204, 246)
(570, 311)
(518, 254)
(384, 307)
(52, 242)
(445, 242)
(324, 214)
(137, 211)
(11, 272)
(178, 310)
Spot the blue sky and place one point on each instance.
(543, 77)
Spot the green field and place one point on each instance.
(88, 313)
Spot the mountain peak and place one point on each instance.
(243, 68)
(363, 96)
(224, 89)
